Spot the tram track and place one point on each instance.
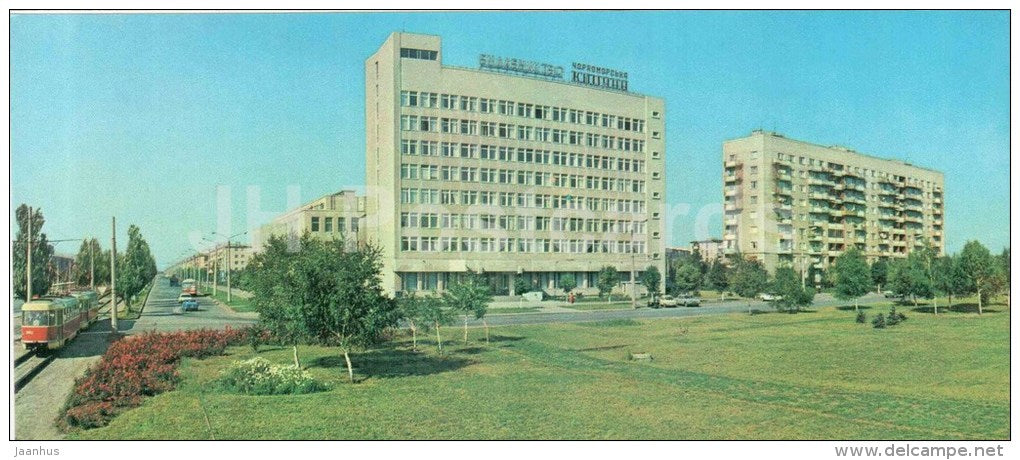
(30, 365)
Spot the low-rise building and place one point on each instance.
(333, 216)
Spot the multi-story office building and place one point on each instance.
(795, 203)
(509, 169)
(710, 250)
(333, 216)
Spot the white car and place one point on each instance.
(668, 301)
(769, 297)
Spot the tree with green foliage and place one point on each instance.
(791, 295)
(568, 283)
(948, 277)
(608, 278)
(651, 279)
(748, 279)
(880, 273)
(42, 252)
(910, 277)
(274, 288)
(985, 275)
(853, 276)
(135, 267)
(431, 311)
(521, 285)
(469, 295)
(717, 278)
(91, 256)
(410, 308)
(1004, 261)
(341, 296)
(686, 278)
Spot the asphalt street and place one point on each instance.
(159, 313)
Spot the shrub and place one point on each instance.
(879, 321)
(135, 367)
(861, 317)
(893, 318)
(258, 376)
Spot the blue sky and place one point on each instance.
(144, 116)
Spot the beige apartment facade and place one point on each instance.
(520, 169)
(334, 216)
(236, 256)
(789, 202)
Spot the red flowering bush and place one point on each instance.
(142, 365)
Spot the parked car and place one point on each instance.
(688, 301)
(184, 296)
(891, 295)
(769, 297)
(190, 305)
(668, 301)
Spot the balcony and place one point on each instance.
(731, 207)
(731, 191)
(731, 164)
(733, 178)
(730, 221)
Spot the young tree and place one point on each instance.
(686, 278)
(567, 283)
(274, 288)
(410, 308)
(717, 278)
(651, 278)
(853, 277)
(342, 295)
(880, 273)
(985, 275)
(949, 277)
(608, 278)
(431, 312)
(792, 297)
(521, 285)
(748, 279)
(470, 295)
(910, 277)
(42, 251)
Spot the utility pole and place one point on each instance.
(113, 277)
(215, 273)
(92, 265)
(229, 245)
(28, 258)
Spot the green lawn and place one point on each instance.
(236, 303)
(603, 305)
(815, 375)
(512, 310)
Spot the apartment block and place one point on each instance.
(512, 169)
(789, 202)
(334, 216)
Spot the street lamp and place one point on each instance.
(229, 260)
(633, 262)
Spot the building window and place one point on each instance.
(315, 224)
(412, 53)
(354, 224)
(328, 228)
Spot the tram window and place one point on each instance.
(35, 318)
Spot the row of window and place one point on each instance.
(518, 177)
(413, 53)
(519, 132)
(520, 200)
(327, 224)
(863, 172)
(416, 147)
(519, 245)
(520, 109)
(505, 222)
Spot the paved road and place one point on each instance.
(158, 314)
(717, 308)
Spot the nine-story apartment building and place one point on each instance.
(515, 169)
(800, 204)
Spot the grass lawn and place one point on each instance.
(602, 305)
(512, 310)
(236, 303)
(814, 375)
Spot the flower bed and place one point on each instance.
(139, 366)
(258, 376)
